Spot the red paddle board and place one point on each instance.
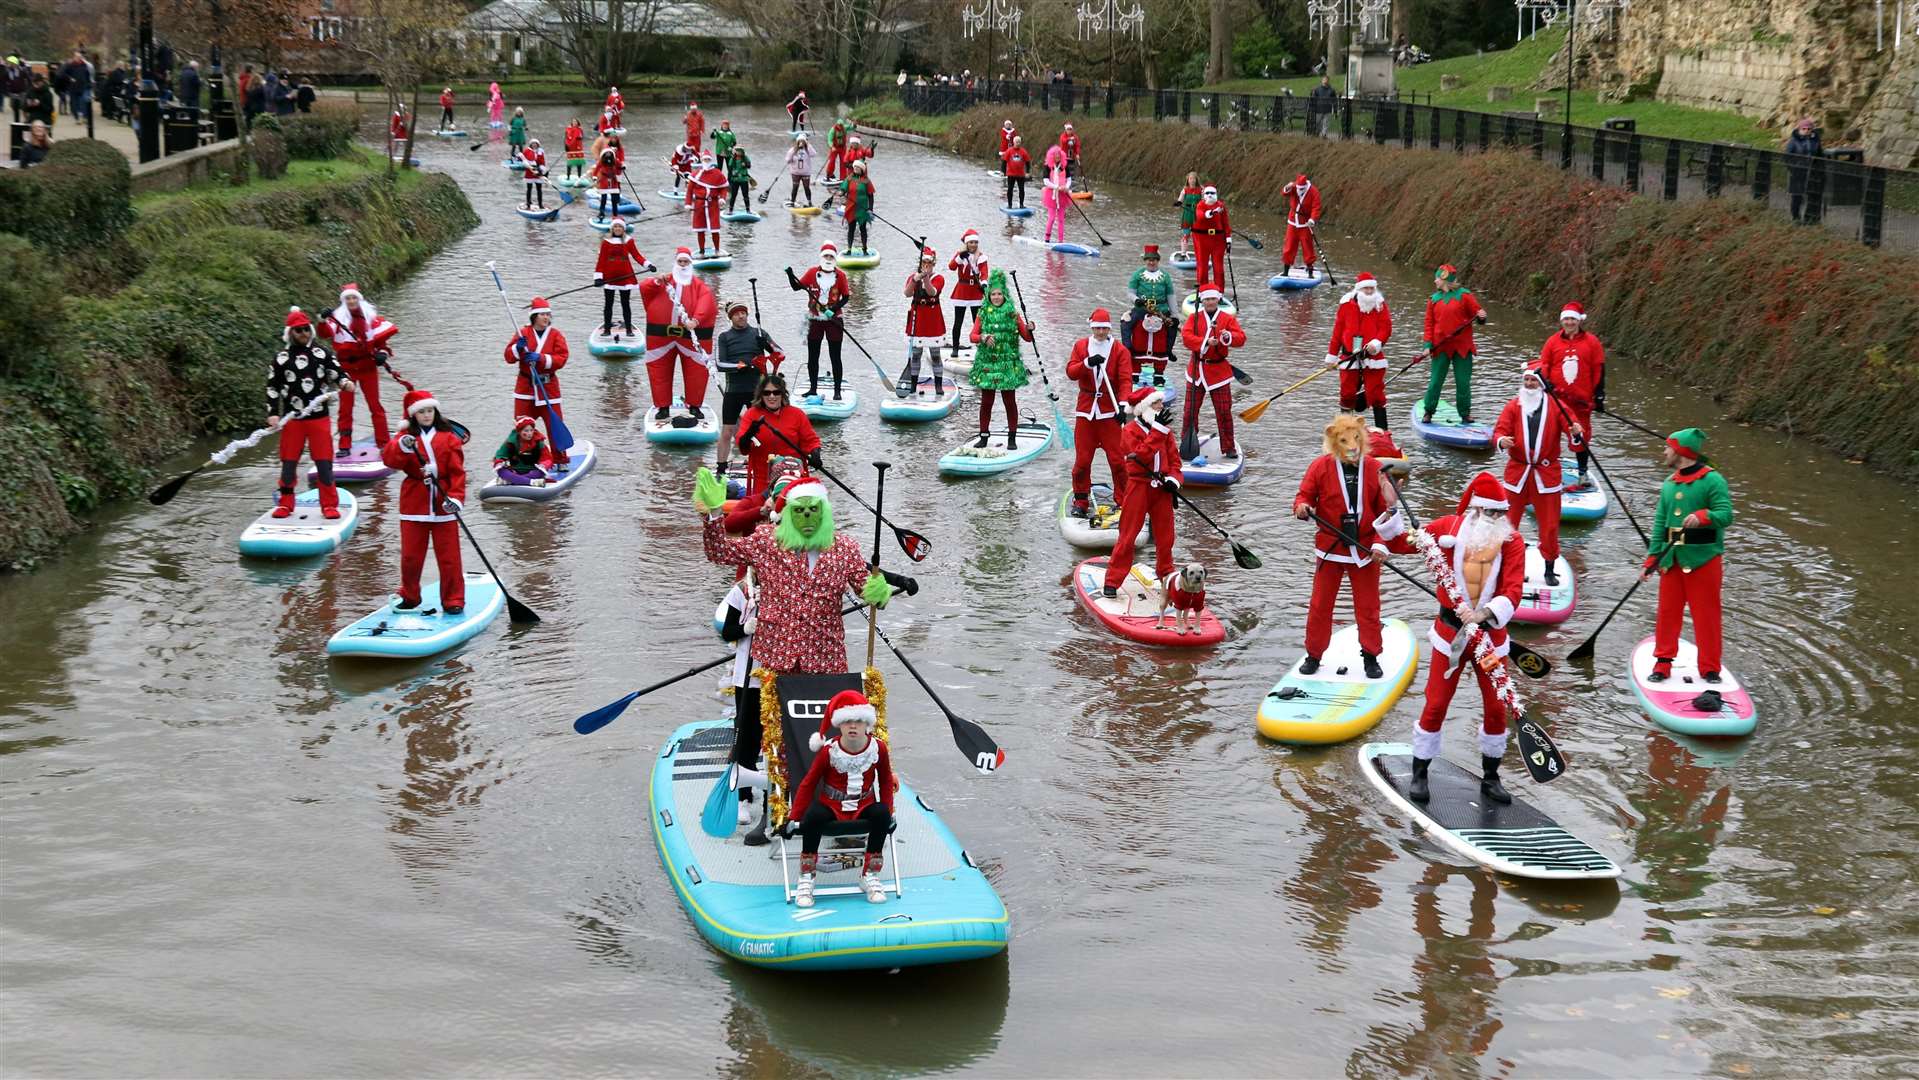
(1134, 613)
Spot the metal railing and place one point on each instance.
(1872, 204)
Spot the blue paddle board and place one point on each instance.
(1017, 211)
(971, 459)
(581, 458)
(825, 407)
(423, 630)
(1296, 279)
(1582, 504)
(680, 429)
(306, 532)
(923, 405)
(740, 216)
(1062, 246)
(1446, 430)
(537, 214)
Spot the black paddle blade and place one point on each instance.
(1536, 749)
(1240, 376)
(1585, 652)
(973, 741)
(917, 547)
(1245, 557)
(520, 613)
(1530, 662)
(164, 494)
(604, 715)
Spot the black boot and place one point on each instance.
(1012, 437)
(1110, 592)
(694, 412)
(983, 437)
(1379, 418)
(1418, 790)
(1710, 676)
(757, 836)
(1371, 664)
(664, 412)
(1309, 666)
(1552, 579)
(1489, 784)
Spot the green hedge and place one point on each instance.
(324, 133)
(76, 199)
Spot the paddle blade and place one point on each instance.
(604, 715)
(1245, 557)
(1536, 749)
(1585, 652)
(164, 494)
(1530, 662)
(978, 746)
(1240, 376)
(1253, 240)
(917, 547)
(1257, 411)
(520, 613)
(716, 817)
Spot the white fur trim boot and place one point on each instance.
(803, 893)
(746, 813)
(870, 878)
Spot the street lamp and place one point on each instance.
(1115, 23)
(992, 15)
(1326, 14)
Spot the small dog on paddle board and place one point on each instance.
(1185, 594)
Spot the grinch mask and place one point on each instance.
(805, 525)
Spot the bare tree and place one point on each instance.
(604, 40)
(408, 43)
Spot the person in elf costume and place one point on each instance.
(1361, 328)
(999, 364)
(1450, 316)
(1188, 202)
(680, 313)
(1574, 365)
(724, 140)
(1210, 335)
(1529, 430)
(851, 779)
(835, 151)
(739, 178)
(1103, 368)
(359, 336)
(523, 458)
(860, 196)
(1152, 474)
(538, 351)
(516, 133)
(969, 282)
(302, 376)
(431, 450)
(1148, 329)
(1302, 218)
(1688, 553)
(1346, 486)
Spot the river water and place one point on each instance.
(223, 854)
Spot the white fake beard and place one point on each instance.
(1371, 306)
(828, 267)
(1484, 530)
(1209, 199)
(1096, 347)
(1530, 399)
(682, 274)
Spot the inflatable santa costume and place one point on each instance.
(680, 312)
(359, 336)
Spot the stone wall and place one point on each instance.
(1746, 79)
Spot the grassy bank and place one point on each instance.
(887, 112)
(152, 328)
(1782, 325)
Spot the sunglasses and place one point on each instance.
(772, 393)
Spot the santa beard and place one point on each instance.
(1366, 305)
(827, 268)
(682, 274)
(1530, 399)
(1484, 530)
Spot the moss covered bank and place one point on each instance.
(127, 332)
(1791, 327)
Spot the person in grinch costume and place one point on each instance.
(1687, 549)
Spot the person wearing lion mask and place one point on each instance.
(1346, 486)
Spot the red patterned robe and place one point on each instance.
(800, 626)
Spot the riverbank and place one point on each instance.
(144, 325)
(1776, 323)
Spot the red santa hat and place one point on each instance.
(826, 249)
(691, 105)
(1100, 317)
(1301, 181)
(969, 236)
(1364, 279)
(845, 705)
(1211, 292)
(350, 289)
(416, 400)
(927, 254)
(1150, 251)
(1146, 399)
(538, 307)
(1008, 125)
(295, 318)
(808, 487)
(682, 250)
(1485, 493)
(1573, 310)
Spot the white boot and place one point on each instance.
(803, 895)
(870, 879)
(746, 814)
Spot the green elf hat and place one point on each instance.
(1689, 444)
(996, 281)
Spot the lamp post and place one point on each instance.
(991, 16)
(1328, 15)
(1115, 22)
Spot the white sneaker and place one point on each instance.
(875, 893)
(803, 895)
(746, 813)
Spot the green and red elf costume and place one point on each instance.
(1149, 328)
(1450, 316)
(1188, 203)
(859, 208)
(1687, 552)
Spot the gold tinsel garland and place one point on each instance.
(772, 743)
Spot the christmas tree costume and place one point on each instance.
(998, 364)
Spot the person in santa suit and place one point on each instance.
(431, 451)
(680, 313)
(360, 337)
(1450, 316)
(925, 325)
(535, 175)
(851, 779)
(1688, 553)
(1008, 136)
(1212, 237)
(1104, 370)
(538, 351)
(1529, 430)
(615, 104)
(1574, 364)
(775, 427)
(797, 110)
(695, 121)
(399, 126)
(616, 271)
(606, 184)
(969, 282)
(1486, 559)
(605, 124)
(1069, 142)
(827, 290)
(1345, 486)
(1302, 217)
(1361, 329)
(1210, 335)
(684, 162)
(575, 149)
(1151, 475)
(742, 354)
(1015, 163)
(301, 377)
(854, 152)
(446, 109)
(704, 190)
(1148, 329)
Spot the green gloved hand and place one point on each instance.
(708, 491)
(876, 591)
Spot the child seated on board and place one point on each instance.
(851, 779)
(524, 458)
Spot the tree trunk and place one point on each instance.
(1336, 55)
(1402, 28)
(412, 125)
(1219, 52)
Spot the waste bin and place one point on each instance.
(1847, 186)
(1623, 126)
(181, 128)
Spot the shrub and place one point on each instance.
(30, 305)
(269, 153)
(324, 133)
(77, 199)
(799, 75)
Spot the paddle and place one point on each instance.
(562, 436)
(515, 610)
(916, 546)
(1232, 276)
(635, 189)
(1103, 242)
(971, 739)
(879, 502)
(1525, 659)
(1241, 553)
(716, 816)
(1634, 424)
(918, 241)
(1258, 245)
(1065, 433)
(1537, 750)
(565, 292)
(164, 494)
(1566, 416)
(1428, 354)
(380, 357)
(1319, 249)
(1586, 650)
(1259, 410)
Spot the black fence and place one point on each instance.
(1871, 204)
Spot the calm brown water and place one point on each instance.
(220, 854)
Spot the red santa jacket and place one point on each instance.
(1100, 387)
(1017, 160)
(618, 262)
(800, 625)
(789, 421)
(825, 296)
(1302, 204)
(845, 783)
(1211, 219)
(684, 161)
(399, 127)
(355, 336)
(1534, 454)
(606, 177)
(1449, 323)
(668, 307)
(1574, 366)
(575, 141)
(969, 286)
(1209, 339)
(1153, 335)
(707, 186)
(446, 99)
(615, 104)
(547, 353)
(1146, 448)
(695, 127)
(1372, 328)
(1069, 142)
(535, 159)
(1498, 593)
(443, 450)
(1323, 490)
(923, 316)
(1006, 135)
(854, 152)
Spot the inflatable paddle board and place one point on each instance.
(1099, 530)
(923, 406)
(1017, 211)
(859, 259)
(581, 458)
(1297, 278)
(735, 896)
(423, 630)
(574, 183)
(669, 193)
(1191, 304)
(357, 466)
(1188, 261)
(1338, 702)
(680, 429)
(1676, 703)
(1584, 504)
(306, 532)
(1513, 838)
(1134, 613)
(1083, 196)
(1211, 469)
(1446, 430)
(717, 261)
(537, 214)
(970, 459)
(825, 407)
(514, 163)
(617, 345)
(804, 211)
(1062, 246)
(600, 224)
(450, 133)
(740, 216)
(415, 162)
(1542, 604)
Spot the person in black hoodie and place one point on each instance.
(1800, 147)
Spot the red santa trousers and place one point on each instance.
(311, 433)
(1440, 686)
(1143, 503)
(445, 538)
(1299, 241)
(1319, 612)
(1695, 589)
(1222, 410)
(1091, 435)
(659, 375)
(1211, 253)
(367, 374)
(1349, 384)
(1545, 515)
